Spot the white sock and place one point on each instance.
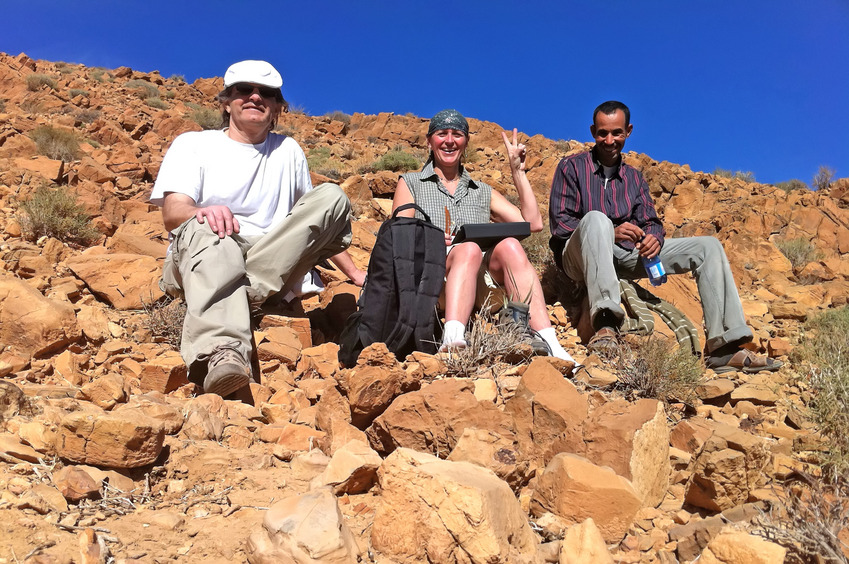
(453, 332)
(550, 337)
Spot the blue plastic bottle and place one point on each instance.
(654, 268)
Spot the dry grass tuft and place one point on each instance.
(54, 212)
(659, 369)
(811, 521)
(164, 320)
(488, 344)
(56, 143)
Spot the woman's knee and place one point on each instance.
(509, 253)
(467, 254)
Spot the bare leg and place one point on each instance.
(461, 274)
(510, 267)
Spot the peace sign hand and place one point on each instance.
(516, 151)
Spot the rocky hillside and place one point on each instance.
(108, 454)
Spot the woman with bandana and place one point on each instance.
(446, 192)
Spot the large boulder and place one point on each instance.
(633, 440)
(32, 324)
(433, 419)
(575, 489)
(440, 511)
(124, 281)
(549, 413)
(125, 439)
(304, 529)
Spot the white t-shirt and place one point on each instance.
(259, 183)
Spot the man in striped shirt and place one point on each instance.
(603, 223)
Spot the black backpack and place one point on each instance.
(397, 306)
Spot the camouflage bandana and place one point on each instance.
(448, 119)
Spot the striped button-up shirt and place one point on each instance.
(579, 187)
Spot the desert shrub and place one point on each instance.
(164, 320)
(298, 109)
(287, 130)
(54, 212)
(824, 356)
(207, 118)
(810, 520)
(317, 157)
(157, 103)
(332, 168)
(397, 161)
(169, 95)
(744, 175)
(536, 247)
(88, 115)
(93, 143)
(339, 116)
(144, 88)
(799, 251)
(489, 344)
(177, 78)
(74, 92)
(561, 146)
(658, 368)
(822, 179)
(36, 80)
(792, 184)
(31, 106)
(56, 143)
(2, 105)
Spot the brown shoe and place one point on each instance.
(744, 361)
(605, 340)
(227, 372)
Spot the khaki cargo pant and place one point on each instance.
(220, 278)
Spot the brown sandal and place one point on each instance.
(605, 339)
(748, 362)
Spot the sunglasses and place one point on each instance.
(247, 89)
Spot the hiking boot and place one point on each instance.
(227, 372)
(518, 313)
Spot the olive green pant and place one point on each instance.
(220, 278)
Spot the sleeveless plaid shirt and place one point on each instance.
(469, 204)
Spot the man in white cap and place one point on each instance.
(245, 224)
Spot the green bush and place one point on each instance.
(144, 88)
(822, 179)
(317, 157)
(791, 185)
(397, 161)
(799, 251)
(339, 116)
(207, 118)
(169, 95)
(36, 80)
(74, 92)
(177, 78)
(97, 73)
(561, 146)
(157, 103)
(56, 143)
(824, 355)
(54, 212)
(659, 369)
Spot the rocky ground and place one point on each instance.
(108, 454)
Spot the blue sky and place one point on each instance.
(740, 85)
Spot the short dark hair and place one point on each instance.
(227, 94)
(610, 107)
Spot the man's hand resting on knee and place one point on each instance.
(177, 208)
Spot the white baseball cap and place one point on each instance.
(255, 72)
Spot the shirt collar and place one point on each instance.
(428, 173)
(599, 168)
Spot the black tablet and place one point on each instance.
(489, 234)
